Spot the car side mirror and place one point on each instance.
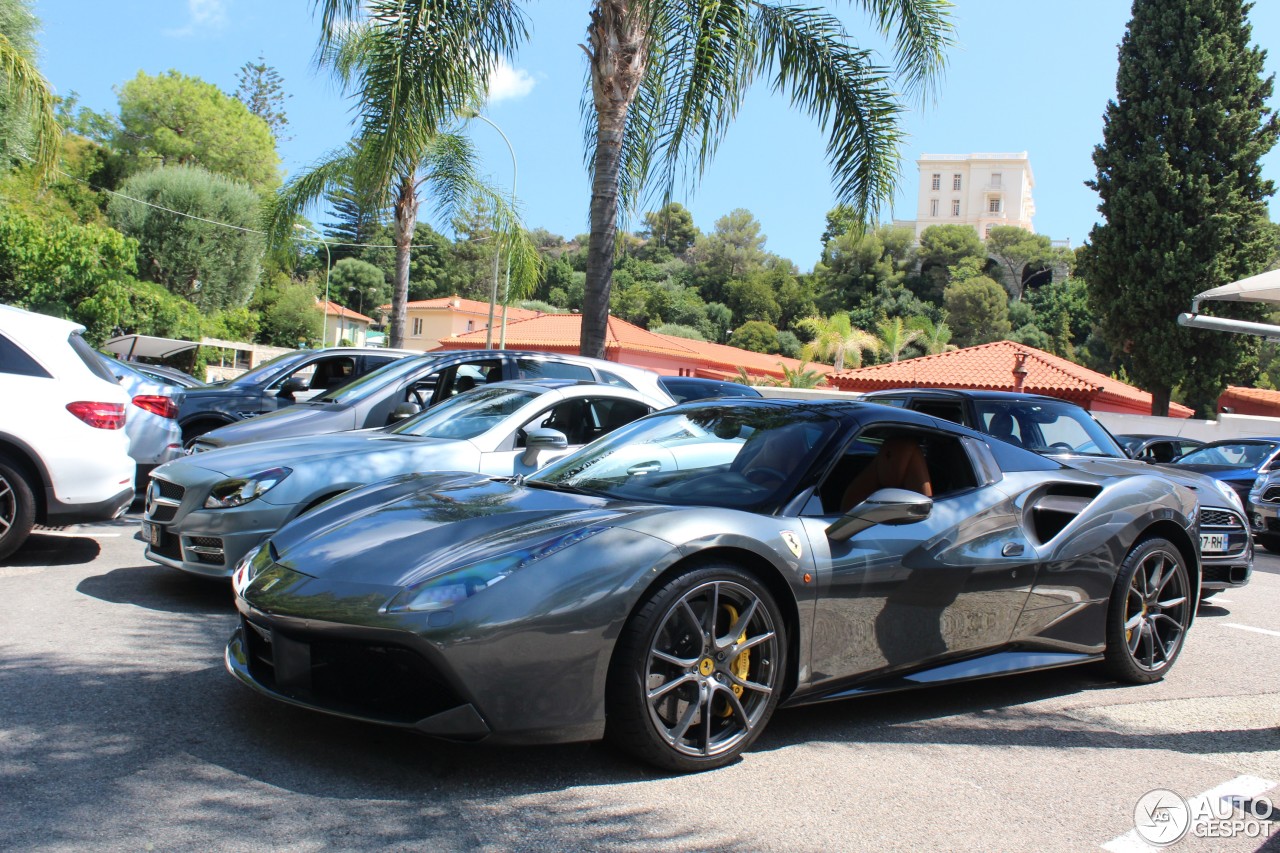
(402, 411)
(538, 440)
(290, 387)
(884, 506)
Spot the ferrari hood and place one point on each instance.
(1204, 488)
(407, 529)
(241, 460)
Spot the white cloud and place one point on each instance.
(204, 15)
(506, 82)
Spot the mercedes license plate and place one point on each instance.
(152, 533)
(1213, 542)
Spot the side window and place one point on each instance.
(461, 378)
(531, 368)
(896, 402)
(943, 409)
(614, 379)
(1186, 448)
(999, 422)
(323, 374)
(893, 457)
(1162, 451)
(373, 362)
(569, 417)
(14, 360)
(607, 415)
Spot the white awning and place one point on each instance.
(129, 347)
(1264, 287)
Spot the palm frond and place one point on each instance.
(920, 32)
(850, 96)
(28, 88)
(279, 212)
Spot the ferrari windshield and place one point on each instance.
(1047, 427)
(715, 455)
(467, 415)
(374, 381)
(1231, 454)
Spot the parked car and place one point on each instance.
(686, 388)
(169, 375)
(1264, 510)
(275, 384)
(1062, 430)
(799, 552)
(1157, 448)
(1237, 462)
(64, 455)
(151, 424)
(405, 388)
(205, 511)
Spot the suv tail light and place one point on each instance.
(157, 404)
(98, 415)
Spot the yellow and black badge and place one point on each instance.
(793, 542)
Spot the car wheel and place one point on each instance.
(1149, 612)
(17, 509)
(194, 430)
(1270, 543)
(697, 671)
(1206, 594)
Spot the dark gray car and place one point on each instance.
(671, 584)
(275, 384)
(407, 387)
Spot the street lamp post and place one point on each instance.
(328, 264)
(506, 287)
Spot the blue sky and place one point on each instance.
(1025, 75)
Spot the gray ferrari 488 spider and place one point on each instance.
(670, 585)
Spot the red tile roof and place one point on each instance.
(333, 309)
(562, 332)
(1250, 401)
(990, 366)
(466, 306)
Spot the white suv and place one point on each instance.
(64, 455)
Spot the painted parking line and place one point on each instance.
(1217, 600)
(1240, 627)
(1200, 808)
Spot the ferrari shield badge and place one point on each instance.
(793, 542)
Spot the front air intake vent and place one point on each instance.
(1056, 507)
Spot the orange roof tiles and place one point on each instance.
(466, 306)
(990, 366)
(1250, 401)
(731, 358)
(333, 309)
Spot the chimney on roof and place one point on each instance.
(1019, 370)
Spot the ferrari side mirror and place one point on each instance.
(402, 411)
(884, 506)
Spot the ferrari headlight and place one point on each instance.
(249, 566)
(238, 491)
(1233, 498)
(446, 590)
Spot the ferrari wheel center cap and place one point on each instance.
(707, 666)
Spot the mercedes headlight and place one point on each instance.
(453, 587)
(238, 491)
(1233, 498)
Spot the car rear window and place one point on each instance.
(14, 360)
(90, 358)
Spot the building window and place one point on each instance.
(933, 207)
(936, 184)
(955, 182)
(417, 326)
(955, 207)
(986, 232)
(471, 324)
(993, 204)
(995, 180)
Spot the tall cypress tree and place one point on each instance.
(1182, 194)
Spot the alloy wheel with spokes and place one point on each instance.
(17, 509)
(1150, 612)
(698, 674)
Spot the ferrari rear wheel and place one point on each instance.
(1149, 613)
(698, 671)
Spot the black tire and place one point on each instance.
(1149, 612)
(17, 508)
(670, 674)
(195, 429)
(1270, 543)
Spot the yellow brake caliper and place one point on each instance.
(740, 665)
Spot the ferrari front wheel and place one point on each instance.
(1149, 613)
(698, 670)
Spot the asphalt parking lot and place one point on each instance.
(120, 730)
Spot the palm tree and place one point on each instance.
(895, 336)
(666, 79)
(800, 377)
(835, 338)
(414, 67)
(28, 89)
(934, 337)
